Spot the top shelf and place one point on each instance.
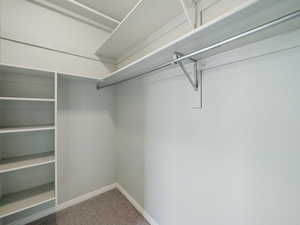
(13, 69)
(241, 19)
(145, 18)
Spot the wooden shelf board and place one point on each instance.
(6, 130)
(145, 18)
(248, 16)
(18, 163)
(20, 201)
(27, 99)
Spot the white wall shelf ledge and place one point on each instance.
(27, 99)
(20, 201)
(6, 130)
(26, 71)
(250, 15)
(23, 162)
(145, 18)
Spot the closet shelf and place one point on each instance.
(146, 17)
(27, 99)
(18, 163)
(21, 70)
(250, 15)
(6, 130)
(20, 201)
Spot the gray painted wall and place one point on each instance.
(86, 156)
(235, 161)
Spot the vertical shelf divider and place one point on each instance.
(55, 137)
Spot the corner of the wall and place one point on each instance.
(137, 206)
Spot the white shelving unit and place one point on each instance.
(27, 104)
(20, 201)
(24, 162)
(238, 20)
(145, 18)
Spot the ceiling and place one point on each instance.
(106, 14)
(116, 9)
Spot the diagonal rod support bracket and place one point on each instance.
(193, 79)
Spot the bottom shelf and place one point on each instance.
(17, 202)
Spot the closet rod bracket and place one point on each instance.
(193, 79)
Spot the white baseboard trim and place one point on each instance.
(84, 197)
(136, 205)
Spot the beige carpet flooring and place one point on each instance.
(110, 208)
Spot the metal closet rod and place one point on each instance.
(262, 27)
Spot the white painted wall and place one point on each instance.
(25, 21)
(233, 162)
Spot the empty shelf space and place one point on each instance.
(17, 163)
(6, 130)
(27, 99)
(17, 202)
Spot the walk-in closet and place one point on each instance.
(149, 112)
